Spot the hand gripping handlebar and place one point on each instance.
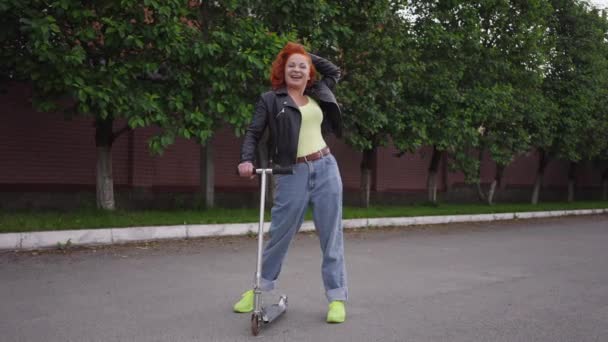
(276, 171)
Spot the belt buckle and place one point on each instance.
(312, 155)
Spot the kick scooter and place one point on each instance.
(265, 315)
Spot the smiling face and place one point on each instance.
(297, 71)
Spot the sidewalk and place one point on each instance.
(106, 236)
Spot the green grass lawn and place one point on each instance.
(25, 221)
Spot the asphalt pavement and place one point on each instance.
(524, 280)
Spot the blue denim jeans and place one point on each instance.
(318, 184)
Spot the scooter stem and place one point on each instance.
(258, 271)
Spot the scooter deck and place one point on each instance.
(272, 312)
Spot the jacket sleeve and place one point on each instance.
(254, 131)
(331, 72)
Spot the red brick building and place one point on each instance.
(46, 161)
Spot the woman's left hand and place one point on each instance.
(246, 170)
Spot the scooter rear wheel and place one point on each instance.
(256, 322)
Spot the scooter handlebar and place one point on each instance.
(277, 170)
(283, 170)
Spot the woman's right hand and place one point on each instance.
(246, 169)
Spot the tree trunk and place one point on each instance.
(366, 177)
(480, 194)
(542, 164)
(367, 164)
(131, 159)
(105, 182)
(536, 190)
(207, 175)
(495, 183)
(491, 192)
(605, 185)
(571, 181)
(206, 170)
(432, 177)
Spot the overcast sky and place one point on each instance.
(599, 3)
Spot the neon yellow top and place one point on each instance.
(310, 140)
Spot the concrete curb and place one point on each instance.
(106, 236)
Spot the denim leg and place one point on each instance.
(326, 198)
(290, 203)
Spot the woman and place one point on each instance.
(299, 112)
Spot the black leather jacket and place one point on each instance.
(276, 111)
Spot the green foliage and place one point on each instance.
(314, 22)
(376, 57)
(185, 69)
(231, 62)
(100, 55)
(368, 39)
(437, 96)
(577, 81)
(480, 81)
(506, 98)
(496, 75)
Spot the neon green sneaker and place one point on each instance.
(245, 304)
(336, 312)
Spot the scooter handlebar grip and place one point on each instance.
(282, 170)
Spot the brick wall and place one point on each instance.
(43, 148)
(405, 173)
(43, 152)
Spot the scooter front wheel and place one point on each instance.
(256, 323)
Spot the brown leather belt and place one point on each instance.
(314, 156)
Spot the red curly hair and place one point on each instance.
(277, 72)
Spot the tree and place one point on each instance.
(101, 56)
(577, 82)
(505, 95)
(603, 159)
(445, 41)
(11, 42)
(147, 63)
(309, 22)
(376, 57)
(230, 67)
